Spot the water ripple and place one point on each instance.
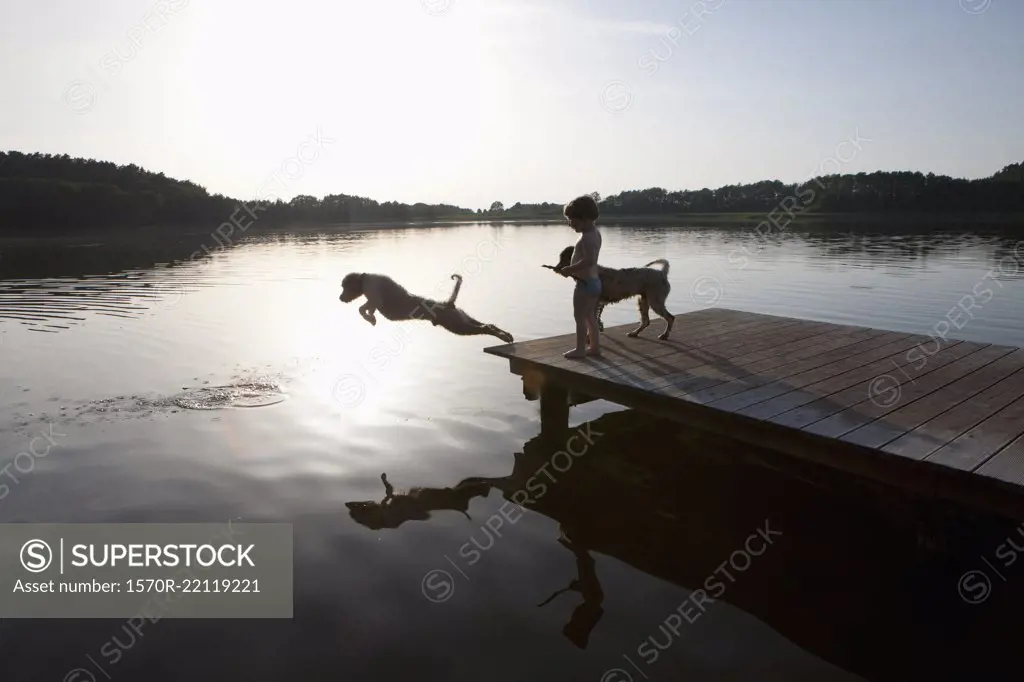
(35, 302)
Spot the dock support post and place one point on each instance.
(554, 412)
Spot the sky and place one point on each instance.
(467, 102)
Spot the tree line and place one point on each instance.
(40, 191)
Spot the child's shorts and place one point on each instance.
(591, 286)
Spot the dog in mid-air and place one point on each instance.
(618, 284)
(395, 303)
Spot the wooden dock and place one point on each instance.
(944, 417)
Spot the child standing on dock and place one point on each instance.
(582, 213)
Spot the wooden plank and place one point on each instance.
(654, 373)
(698, 353)
(639, 355)
(699, 324)
(743, 393)
(1007, 465)
(721, 370)
(779, 365)
(805, 387)
(855, 416)
(973, 448)
(851, 388)
(841, 340)
(933, 434)
(910, 416)
(625, 351)
(718, 364)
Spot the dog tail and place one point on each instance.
(455, 292)
(662, 262)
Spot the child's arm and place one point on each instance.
(586, 260)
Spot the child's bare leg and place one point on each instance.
(595, 333)
(579, 310)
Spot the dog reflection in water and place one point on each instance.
(416, 505)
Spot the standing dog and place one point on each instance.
(395, 303)
(618, 284)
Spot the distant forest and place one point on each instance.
(41, 191)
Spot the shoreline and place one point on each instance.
(667, 220)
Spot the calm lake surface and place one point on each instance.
(238, 387)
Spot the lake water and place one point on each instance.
(238, 387)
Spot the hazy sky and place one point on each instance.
(471, 101)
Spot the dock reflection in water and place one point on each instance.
(868, 580)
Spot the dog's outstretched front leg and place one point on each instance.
(366, 311)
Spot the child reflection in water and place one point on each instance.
(585, 616)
